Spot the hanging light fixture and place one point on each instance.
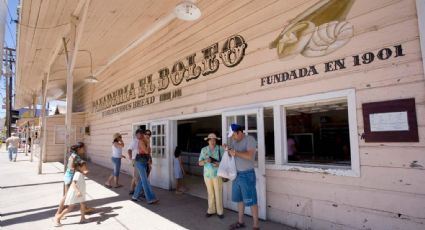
(91, 78)
(187, 11)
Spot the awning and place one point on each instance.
(110, 28)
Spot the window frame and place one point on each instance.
(159, 136)
(281, 155)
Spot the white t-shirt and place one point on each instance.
(13, 141)
(134, 147)
(116, 151)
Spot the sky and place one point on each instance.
(10, 41)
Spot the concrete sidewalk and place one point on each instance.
(29, 201)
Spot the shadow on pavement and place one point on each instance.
(25, 185)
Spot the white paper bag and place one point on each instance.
(227, 167)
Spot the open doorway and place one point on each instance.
(190, 138)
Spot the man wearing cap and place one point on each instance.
(210, 158)
(13, 143)
(243, 148)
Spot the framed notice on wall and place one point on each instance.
(390, 121)
(59, 135)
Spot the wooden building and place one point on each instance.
(333, 91)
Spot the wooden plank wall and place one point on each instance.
(389, 194)
(54, 152)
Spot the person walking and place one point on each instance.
(210, 158)
(243, 148)
(132, 151)
(75, 157)
(76, 194)
(117, 146)
(142, 163)
(13, 144)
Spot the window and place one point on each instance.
(318, 133)
(158, 141)
(315, 133)
(248, 122)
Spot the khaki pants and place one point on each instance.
(215, 195)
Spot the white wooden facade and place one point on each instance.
(383, 188)
(55, 142)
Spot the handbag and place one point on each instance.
(227, 167)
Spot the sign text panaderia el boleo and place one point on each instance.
(231, 54)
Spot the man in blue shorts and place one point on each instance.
(243, 148)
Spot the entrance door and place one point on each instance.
(161, 156)
(253, 123)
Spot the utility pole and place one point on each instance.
(9, 61)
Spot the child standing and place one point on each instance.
(76, 193)
(178, 171)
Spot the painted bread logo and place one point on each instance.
(318, 31)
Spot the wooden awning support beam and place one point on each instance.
(71, 52)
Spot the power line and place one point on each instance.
(7, 6)
(8, 26)
(11, 35)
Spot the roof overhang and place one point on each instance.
(111, 29)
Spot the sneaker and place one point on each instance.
(154, 201)
(135, 200)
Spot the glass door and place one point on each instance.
(161, 157)
(252, 122)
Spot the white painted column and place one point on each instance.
(279, 156)
(77, 28)
(420, 7)
(43, 130)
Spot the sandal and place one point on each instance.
(83, 221)
(236, 226)
(56, 223)
(107, 185)
(118, 186)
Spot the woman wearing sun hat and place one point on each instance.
(117, 146)
(210, 158)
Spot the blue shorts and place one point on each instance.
(67, 178)
(117, 166)
(244, 188)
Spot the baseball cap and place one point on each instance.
(233, 128)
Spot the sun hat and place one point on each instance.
(234, 128)
(116, 135)
(212, 136)
(77, 146)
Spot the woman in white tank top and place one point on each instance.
(117, 146)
